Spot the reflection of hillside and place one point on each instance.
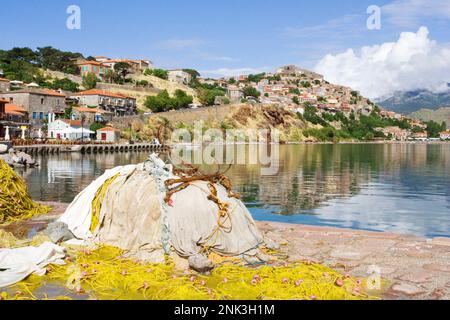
(310, 175)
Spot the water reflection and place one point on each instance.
(401, 188)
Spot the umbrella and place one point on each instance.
(7, 137)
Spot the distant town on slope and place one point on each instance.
(51, 91)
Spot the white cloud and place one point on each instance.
(413, 62)
(181, 44)
(230, 72)
(407, 13)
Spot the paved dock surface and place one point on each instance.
(410, 267)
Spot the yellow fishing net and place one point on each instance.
(98, 200)
(105, 274)
(15, 202)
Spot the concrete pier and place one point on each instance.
(90, 148)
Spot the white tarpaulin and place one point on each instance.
(78, 215)
(17, 264)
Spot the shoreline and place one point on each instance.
(411, 267)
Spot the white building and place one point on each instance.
(64, 129)
(445, 135)
(108, 134)
(235, 93)
(179, 76)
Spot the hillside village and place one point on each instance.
(83, 98)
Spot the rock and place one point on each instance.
(200, 263)
(407, 289)
(28, 160)
(3, 148)
(58, 232)
(18, 159)
(7, 158)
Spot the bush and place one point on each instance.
(207, 96)
(96, 126)
(160, 73)
(163, 102)
(251, 92)
(90, 81)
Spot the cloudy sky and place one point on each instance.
(224, 38)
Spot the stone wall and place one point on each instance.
(188, 116)
(112, 86)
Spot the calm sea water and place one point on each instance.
(398, 188)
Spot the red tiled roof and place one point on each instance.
(108, 129)
(73, 123)
(89, 62)
(89, 110)
(15, 110)
(53, 93)
(44, 92)
(3, 101)
(4, 80)
(96, 92)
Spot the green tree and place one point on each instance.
(110, 76)
(65, 84)
(90, 81)
(294, 91)
(251, 92)
(433, 129)
(54, 59)
(96, 126)
(160, 73)
(164, 102)
(182, 99)
(256, 77)
(296, 100)
(208, 96)
(68, 112)
(122, 70)
(194, 73)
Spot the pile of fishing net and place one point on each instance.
(151, 213)
(15, 202)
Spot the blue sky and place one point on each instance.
(217, 37)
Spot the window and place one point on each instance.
(41, 115)
(95, 69)
(34, 115)
(42, 100)
(11, 100)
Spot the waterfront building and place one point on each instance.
(64, 129)
(92, 115)
(38, 103)
(445, 135)
(118, 104)
(108, 134)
